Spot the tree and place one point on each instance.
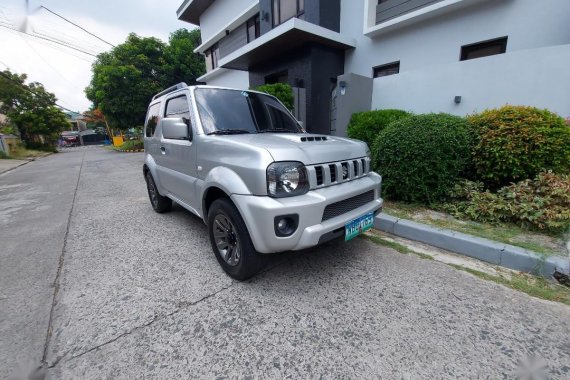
(183, 64)
(31, 108)
(125, 79)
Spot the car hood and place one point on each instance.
(307, 148)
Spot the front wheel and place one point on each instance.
(231, 242)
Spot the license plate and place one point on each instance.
(357, 226)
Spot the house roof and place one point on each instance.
(191, 10)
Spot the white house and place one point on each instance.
(343, 56)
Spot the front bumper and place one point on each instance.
(259, 214)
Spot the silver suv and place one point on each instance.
(240, 161)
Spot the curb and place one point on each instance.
(490, 251)
(15, 167)
(27, 162)
(131, 151)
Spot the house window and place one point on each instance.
(284, 10)
(253, 28)
(388, 69)
(212, 57)
(484, 49)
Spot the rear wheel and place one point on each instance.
(159, 203)
(231, 242)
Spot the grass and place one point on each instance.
(396, 246)
(534, 286)
(503, 233)
(21, 153)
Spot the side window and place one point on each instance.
(151, 119)
(177, 107)
(280, 119)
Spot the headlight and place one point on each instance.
(287, 179)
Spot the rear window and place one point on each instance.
(151, 119)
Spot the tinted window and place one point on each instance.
(152, 119)
(484, 49)
(221, 109)
(385, 70)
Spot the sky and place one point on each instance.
(66, 72)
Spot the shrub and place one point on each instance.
(132, 145)
(43, 147)
(366, 126)
(281, 91)
(3, 155)
(542, 203)
(515, 143)
(421, 157)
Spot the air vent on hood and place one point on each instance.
(314, 138)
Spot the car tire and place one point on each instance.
(159, 203)
(224, 220)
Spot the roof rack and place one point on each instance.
(178, 86)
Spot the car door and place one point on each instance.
(178, 174)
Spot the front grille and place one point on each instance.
(342, 207)
(319, 173)
(333, 173)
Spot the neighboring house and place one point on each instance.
(344, 56)
(77, 121)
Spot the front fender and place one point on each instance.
(227, 180)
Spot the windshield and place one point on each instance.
(225, 111)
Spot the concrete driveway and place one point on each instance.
(140, 295)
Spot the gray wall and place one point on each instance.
(357, 98)
(431, 74)
(219, 14)
(537, 77)
(529, 24)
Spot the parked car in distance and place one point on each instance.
(240, 161)
(70, 139)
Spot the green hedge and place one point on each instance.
(366, 126)
(421, 157)
(281, 91)
(515, 143)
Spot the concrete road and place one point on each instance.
(140, 295)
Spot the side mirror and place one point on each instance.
(176, 128)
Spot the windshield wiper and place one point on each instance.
(282, 130)
(228, 132)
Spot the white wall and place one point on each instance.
(219, 14)
(535, 77)
(230, 78)
(528, 24)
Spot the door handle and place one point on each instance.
(162, 150)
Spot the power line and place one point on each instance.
(53, 46)
(50, 40)
(6, 76)
(74, 24)
(48, 64)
